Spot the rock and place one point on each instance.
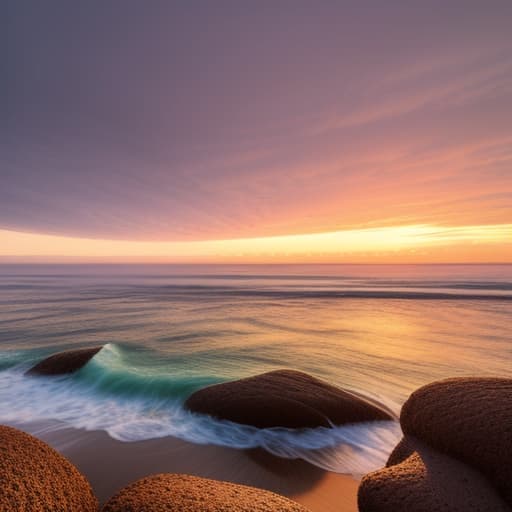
(403, 450)
(184, 493)
(284, 398)
(64, 362)
(35, 478)
(419, 479)
(469, 419)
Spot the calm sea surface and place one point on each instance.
(168, 330)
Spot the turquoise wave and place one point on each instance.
(23, 359)
(114, 371)
(133, 402)
(127, 371)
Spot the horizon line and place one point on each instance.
(225, 264)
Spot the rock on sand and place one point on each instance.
(419, 479)
(456, 455)
(35, 478)
(184, 493)
(469, 419)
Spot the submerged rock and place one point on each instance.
(34, 477)
(420, 479)
(184, 493)
(68, 361)
(284, 398)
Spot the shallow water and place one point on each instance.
(381, 331)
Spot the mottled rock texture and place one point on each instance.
(184, 493)
(469, 419)
(456, 455)
(284, 398)
(420, 479)
(35, 478)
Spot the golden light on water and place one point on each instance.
(398, 244)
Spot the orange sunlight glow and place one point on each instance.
(399, 244)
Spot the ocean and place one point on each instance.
(168, 330)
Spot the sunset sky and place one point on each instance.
(276, 131)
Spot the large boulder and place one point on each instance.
(61, 363)
(284, 398)
(184, 493)
(35, 478)
(419, 479)
(469, 419)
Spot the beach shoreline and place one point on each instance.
(110, 464)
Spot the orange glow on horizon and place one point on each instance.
(399, 244)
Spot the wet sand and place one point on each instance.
(110, 465)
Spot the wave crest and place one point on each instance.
(110, 395)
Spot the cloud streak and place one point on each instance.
(398, 244)
(192, 121)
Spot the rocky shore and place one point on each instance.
(455, 456)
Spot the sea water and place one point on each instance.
(168, 330)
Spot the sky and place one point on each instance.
(256, 131)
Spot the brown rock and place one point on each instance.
(35, 478)
(184, 493)
(419, 479)
(64, 362)
(403, 450)
(469, 419)
(284, 398)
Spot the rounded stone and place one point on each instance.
(419, 479)
(469, 419)
(284, 398)
(35, 478)
(184, 493)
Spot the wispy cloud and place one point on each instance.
(435, 87)
(242, 122)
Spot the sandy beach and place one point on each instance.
(110, 465)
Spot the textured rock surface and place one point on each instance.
(183, 493)
(64, 362)
(35, 478)
(469, 419)
(419, 479)
(284, 398)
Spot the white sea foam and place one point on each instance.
(174, 329)
(355, 449)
